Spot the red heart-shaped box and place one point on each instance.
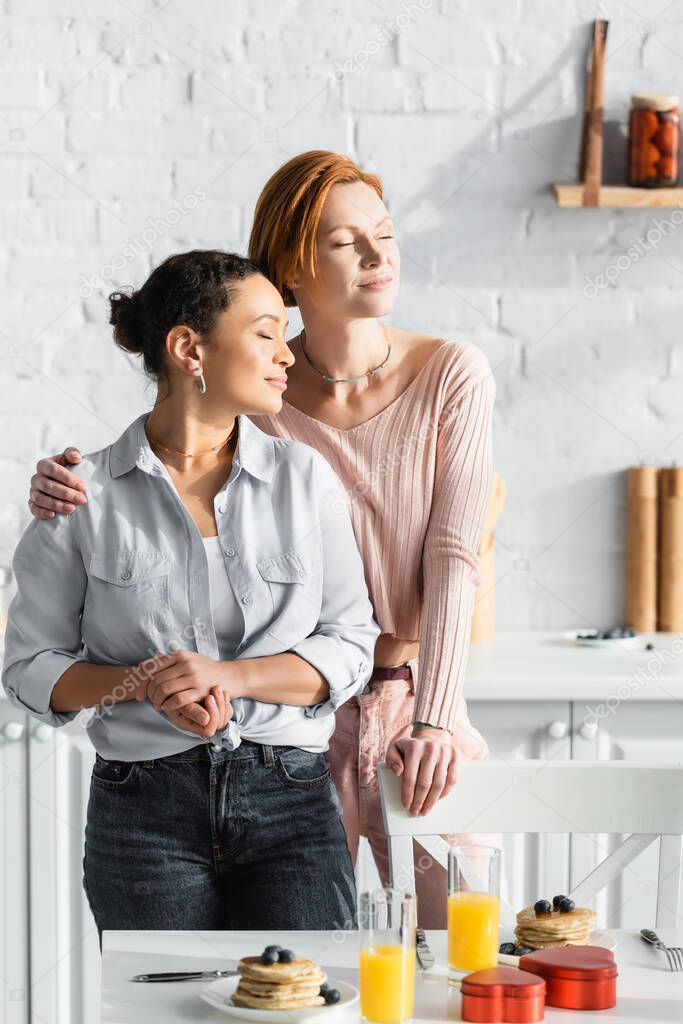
(502, 993)
(576, 977)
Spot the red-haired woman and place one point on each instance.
(404, 419)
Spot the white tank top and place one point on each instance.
(227, 615)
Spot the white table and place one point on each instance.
(647, 992)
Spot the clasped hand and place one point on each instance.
(189, 688)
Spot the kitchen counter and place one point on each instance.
(543, 665)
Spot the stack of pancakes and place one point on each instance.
(291, 986)
(546, 931)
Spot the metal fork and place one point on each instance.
(674, 954)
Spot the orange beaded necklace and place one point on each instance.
(194, 455)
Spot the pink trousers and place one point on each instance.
(365, 726)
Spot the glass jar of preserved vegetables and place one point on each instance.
(654, 129)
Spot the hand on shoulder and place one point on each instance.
(54, 488)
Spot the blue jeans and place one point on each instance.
(247, 839)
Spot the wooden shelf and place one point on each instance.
(620, 195)
(589, 192)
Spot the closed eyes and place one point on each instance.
(340, 245)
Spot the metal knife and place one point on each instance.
(424, 954)
(183, 975)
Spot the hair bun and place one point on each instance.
(124, 315)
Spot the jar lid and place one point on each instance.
(654, 100)
(578, 962)
(502, 981)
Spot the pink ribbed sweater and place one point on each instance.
(417, 477)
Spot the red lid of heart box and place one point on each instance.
(502, 994)
(576, 977)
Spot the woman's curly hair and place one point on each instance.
(190, 288)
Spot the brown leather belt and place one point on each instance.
(391, 672)
(381, 672)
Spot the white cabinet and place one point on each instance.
(64, 950)
(49, 952)
(631, 731)
(14, 790)
(525, 680)
(544, 866)
(536, 866)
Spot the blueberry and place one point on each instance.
(324, 988)
(333, 995)
(286, 956)
(566, 905)
(272, 949)
(557, 900)
(508, 948)
(269, 957)
(649, 647)
(542, 907)
(523, 950)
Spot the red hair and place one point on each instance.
(287, 213)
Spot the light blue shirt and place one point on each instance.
(126, 575)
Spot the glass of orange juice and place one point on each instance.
(473, 909)
(386, 920)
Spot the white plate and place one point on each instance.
(629, 642)
(219, 995)
(598, 938)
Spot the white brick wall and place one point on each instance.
(112, 113)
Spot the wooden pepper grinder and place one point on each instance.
(670, 590)
(484, 615)
(641, 610)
